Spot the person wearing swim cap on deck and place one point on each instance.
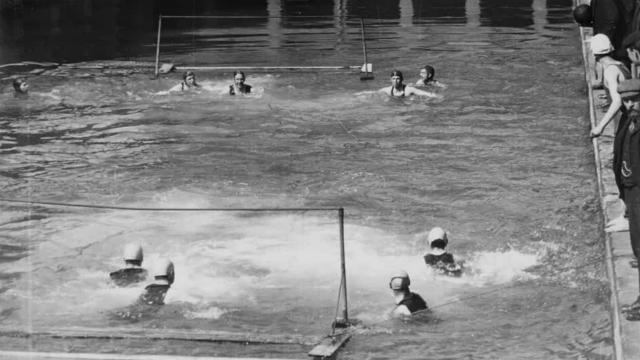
(427, 74)
(626, 166)
(238, 86)
(188, 82)
(20, 87)
(398, 89)
(133, 272)
(437, 257)
(407, 302)
(154, 293)
(610, 72)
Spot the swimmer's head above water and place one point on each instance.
(437, 238)
(427, 73)
(163, 272)
(396, 78)
(20, 86)
(189, 78)
(400, 281)
(238, 78)
(133, 255)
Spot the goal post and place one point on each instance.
(366, 68)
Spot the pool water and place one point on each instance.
(503, 162)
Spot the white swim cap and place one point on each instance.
(133, 252)
(400, 281)
(164, 267)
(601, 45)
(437, 233)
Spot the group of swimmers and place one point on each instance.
(189, 82)
(397, 88)
(407, 302)
(439, 259)
(133, 273)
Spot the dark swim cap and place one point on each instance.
(187, 74)
(431, 72)
(583, 15)
(398, 74)
(17, 82)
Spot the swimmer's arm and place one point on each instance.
(176, 88)
(439, 84)
(611, 77)
(401, 310)
(413, 91)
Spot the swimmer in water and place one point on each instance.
(239, 87)
(437, 257)
(398, 89)
(154, 293)
(426, 77)
(133, 272)
(20, 87)
(188, 82)
(407, 302)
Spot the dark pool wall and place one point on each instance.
(77, 30)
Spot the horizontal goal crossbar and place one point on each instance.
(346, 67)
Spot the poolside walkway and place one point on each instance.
(623, 278)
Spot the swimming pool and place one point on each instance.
(503, 162)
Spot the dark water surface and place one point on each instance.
(503, 162)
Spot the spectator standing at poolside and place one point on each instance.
(627, 168)
(612, 73)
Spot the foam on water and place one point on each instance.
(223, 259)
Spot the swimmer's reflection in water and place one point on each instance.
(152, 299)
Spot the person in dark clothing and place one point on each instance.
(437, 257)
(407, 302)
(609, 17)
(133, 272)
(164, 275)
(627, 170)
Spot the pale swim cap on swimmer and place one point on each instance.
(164, 268)
(133, 252)
(601, 45)
(437, 233)
(400, 281)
